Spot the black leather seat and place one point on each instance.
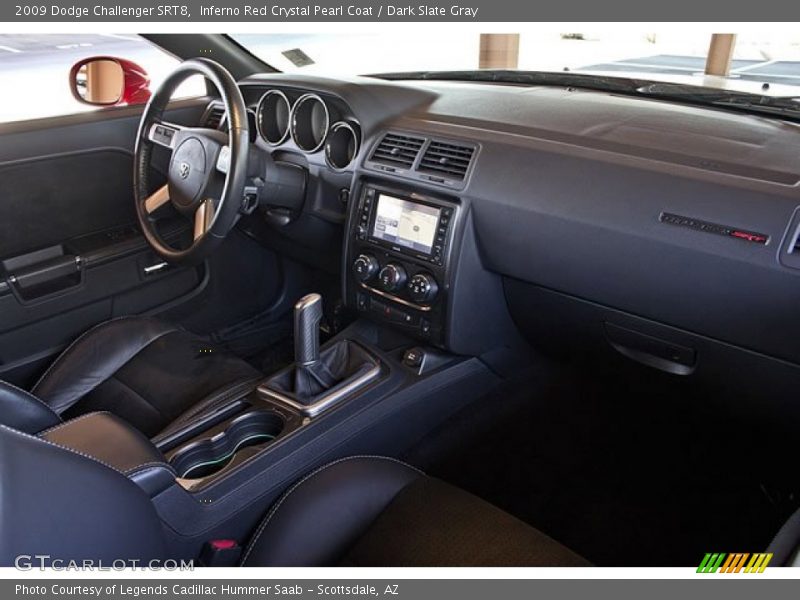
(375, 511)
(358, 511)
(145, 371)
(364, 511)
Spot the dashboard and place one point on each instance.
(664, 232)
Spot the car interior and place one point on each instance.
(396, 320)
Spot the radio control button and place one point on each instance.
(362, 301)
(425, 327)
(392, 277)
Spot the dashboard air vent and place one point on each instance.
(447, 159)
(397, 150)
(214, 116)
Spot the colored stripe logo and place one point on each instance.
(745, 562)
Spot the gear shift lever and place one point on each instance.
(317, 380)
(307, 316)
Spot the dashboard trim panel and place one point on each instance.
(389, 296)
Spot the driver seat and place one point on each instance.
(148, 372)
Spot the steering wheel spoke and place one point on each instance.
(203, 217)
(157, 199)
(163, 133)
(224, 160)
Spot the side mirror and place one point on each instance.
(109, 81)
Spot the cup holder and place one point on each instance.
(206, 457)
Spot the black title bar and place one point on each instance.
(379, 10)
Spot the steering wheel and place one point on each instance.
(207, 169)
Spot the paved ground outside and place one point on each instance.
(767, 71)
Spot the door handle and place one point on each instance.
(153, 269)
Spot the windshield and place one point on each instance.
(772, 59)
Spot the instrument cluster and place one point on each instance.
(313, 124)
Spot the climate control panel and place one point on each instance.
(393, 278)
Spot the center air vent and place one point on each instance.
(214, 116)
(397, 150)
(446, 159)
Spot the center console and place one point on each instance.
(214, 475)
(399, 257)
(411, 261)
(206, 448)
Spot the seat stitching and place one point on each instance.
(73, 420)
(65, 448)
(32, 396)
(145, 465)
(75, 341)
(105, 412)
(113, 374)
(314, 473)
(60, 360)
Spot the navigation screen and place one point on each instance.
(405, 223)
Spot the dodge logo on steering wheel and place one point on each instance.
(184, 170)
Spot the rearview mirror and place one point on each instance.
(109, 81)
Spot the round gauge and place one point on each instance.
(272, 117)
(342, 145)
(309, 122)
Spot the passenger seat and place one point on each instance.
(374, 511)
(360, 511)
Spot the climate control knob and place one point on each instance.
(392, 277)
(365, 267)
(423, 287)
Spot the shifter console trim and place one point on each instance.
(328, 400)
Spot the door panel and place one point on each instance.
(70, 254)
(45, 201)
